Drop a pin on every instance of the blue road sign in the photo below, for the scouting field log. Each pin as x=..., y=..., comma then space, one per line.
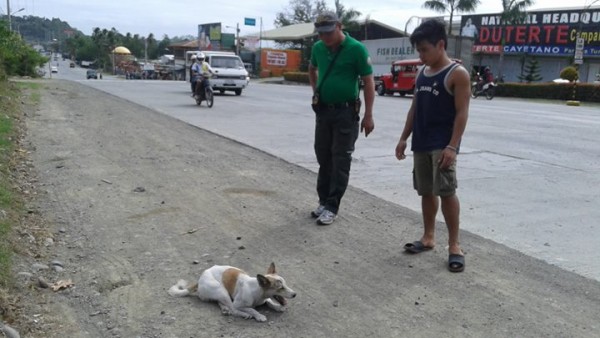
x=249, y=21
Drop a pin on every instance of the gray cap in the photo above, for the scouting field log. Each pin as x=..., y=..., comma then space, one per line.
x=326, y=22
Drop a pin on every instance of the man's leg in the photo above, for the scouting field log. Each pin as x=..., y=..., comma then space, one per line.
x=194, y=87
x=451, y=212
x=323, y=139
x=424, y=164
x=345, y=133
x=429, y=208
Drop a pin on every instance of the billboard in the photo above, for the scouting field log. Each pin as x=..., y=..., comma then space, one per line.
x=551, y=33
x=209, y=36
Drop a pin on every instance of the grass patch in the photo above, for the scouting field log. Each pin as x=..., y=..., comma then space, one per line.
x=5, y=251
x=34, y=90
x=11, y=111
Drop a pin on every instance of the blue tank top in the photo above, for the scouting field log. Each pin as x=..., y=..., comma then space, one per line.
x=434, y=112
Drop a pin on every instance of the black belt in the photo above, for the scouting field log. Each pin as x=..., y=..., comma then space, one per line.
x=332, y=106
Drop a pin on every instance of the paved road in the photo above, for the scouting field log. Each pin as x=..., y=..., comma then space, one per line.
x=528, y=170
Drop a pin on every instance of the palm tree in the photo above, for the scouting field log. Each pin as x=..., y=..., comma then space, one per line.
x=348, y=17
x=513, y=12
x=452, y=6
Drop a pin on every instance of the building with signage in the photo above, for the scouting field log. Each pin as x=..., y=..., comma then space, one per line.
x=548, y=36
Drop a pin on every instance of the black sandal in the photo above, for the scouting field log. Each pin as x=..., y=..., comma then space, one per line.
x=456, y=263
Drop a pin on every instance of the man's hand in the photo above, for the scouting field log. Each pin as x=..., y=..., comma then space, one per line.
x=367, y=124
x=447, y=158
x=400, y=148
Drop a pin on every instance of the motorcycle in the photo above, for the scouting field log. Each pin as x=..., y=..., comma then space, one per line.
x=487, y=89
x=204, y=95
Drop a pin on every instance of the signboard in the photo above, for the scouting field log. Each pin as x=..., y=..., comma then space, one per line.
x=209, y=36
x=249, y=21
x=579, y=45
x=384, y=51
x=552, y=33
x=276, y=58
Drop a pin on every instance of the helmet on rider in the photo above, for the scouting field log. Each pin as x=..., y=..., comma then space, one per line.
x=193, y=57
x=200, y=56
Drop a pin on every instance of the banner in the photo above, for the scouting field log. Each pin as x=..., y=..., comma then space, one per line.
x=276, y=58
x=209, y=36
x=552, y=33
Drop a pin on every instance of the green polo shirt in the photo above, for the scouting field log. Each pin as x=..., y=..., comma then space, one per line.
x=341, y=85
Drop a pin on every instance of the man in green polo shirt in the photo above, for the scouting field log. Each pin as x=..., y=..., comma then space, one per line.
x=337, y=62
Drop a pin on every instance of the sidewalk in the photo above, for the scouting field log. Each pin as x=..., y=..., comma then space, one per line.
x=248, y=208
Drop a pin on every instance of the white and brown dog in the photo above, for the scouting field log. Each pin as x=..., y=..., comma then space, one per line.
x=236, y=292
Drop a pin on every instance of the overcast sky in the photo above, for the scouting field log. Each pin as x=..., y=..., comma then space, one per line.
x=181, y=17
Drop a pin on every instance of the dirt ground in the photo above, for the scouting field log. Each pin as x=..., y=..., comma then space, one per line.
x=128, y=201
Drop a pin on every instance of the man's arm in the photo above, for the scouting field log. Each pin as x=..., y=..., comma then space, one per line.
x=460, y=81
x=408, y=126
x=367, y=123
x=462, y=97
x=312, y=76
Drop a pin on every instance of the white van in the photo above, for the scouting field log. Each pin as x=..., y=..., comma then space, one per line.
x=230, y=73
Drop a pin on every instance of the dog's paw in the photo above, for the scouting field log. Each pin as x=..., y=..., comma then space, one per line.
x=260, y=318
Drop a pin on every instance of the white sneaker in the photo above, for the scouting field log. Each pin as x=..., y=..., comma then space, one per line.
x=327, y=217
x=318, y=211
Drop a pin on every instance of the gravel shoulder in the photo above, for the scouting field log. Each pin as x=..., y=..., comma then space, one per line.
x=135, y=200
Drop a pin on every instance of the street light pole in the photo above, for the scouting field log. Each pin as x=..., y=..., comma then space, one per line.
x=9, y=14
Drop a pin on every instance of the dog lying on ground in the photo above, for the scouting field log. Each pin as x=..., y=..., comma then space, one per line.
x=236, y=292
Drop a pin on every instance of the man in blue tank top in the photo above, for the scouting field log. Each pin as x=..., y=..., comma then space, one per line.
x=436, y=119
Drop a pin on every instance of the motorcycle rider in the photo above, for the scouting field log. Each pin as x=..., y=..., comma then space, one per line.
x=202, y=71
x=486, y=78
x=192, y=81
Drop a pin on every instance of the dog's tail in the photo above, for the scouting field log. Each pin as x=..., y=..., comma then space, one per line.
x=182, y=289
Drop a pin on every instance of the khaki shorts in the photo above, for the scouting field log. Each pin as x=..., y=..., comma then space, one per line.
x=429, y=179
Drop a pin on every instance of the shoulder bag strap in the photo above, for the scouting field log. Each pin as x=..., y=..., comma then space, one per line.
x=329, y=69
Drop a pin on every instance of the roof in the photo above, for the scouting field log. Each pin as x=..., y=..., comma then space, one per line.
x=121, y=50
x=305, y=30
x=292, y=32
x=185, y=44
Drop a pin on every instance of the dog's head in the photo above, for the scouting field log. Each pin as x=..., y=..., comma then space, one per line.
x=274, y=286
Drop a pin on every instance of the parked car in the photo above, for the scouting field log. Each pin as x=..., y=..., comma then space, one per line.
x=54, y=69
x=72, y=65
x=401, y=78
x=91, y=74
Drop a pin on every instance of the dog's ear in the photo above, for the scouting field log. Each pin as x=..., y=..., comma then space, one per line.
x=271, y=270
x=263, y=281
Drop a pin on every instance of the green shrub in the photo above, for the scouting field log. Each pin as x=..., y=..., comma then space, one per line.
x=551, y=91
x=569, y=73
x=16, y=57
x=301, y=77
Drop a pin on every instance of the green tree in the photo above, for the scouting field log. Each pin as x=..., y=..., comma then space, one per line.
x=451, y=7
x=348, y=16
x=531, y=71
x=162, y=47
x=81, y=47
x=16, y=56
x=300, y=11
x=513, y=12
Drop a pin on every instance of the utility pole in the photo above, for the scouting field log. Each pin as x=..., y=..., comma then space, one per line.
x=237, y=45
x=8, y=13
x=579, y=51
